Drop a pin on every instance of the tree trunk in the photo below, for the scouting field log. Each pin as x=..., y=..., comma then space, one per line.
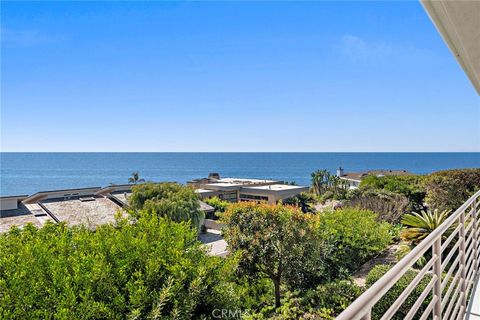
x=276, y=283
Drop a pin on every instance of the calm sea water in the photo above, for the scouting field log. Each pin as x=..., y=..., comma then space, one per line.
x=26, y=173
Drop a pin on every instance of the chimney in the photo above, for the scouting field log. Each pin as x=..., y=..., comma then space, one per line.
x=340, y=172
x=214, y=175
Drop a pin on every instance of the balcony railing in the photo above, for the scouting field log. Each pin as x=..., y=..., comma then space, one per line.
x=454, y=248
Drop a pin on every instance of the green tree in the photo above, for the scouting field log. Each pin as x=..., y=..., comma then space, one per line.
x=325, y=182
x=135, y=178
x=177, y=202
x=320, y=181
x=274, y=241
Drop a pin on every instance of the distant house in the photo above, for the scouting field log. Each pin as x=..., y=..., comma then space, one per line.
x=354, y=178
x=240, y=189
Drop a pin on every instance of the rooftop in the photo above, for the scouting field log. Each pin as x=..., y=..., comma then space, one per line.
x=276, y=187
x=17, y=217
x=241, y=181
x=91, y=212
x=121, y=196
x=204, y=191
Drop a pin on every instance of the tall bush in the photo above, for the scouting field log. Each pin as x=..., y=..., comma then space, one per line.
x=354, y=236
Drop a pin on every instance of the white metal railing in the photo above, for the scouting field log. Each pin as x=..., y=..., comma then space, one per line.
x=457, y=238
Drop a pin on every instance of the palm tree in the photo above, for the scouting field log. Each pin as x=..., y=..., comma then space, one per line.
x=135, y=178
x=320, y=181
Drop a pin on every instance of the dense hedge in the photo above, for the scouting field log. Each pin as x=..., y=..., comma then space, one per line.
x=155, y=268
x=382, y=306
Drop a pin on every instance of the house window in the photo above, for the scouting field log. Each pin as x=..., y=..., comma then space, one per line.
x=248, y=197
x=229, y=196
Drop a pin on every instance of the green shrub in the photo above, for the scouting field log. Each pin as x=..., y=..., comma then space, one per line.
x=389, y=206
x=354, y=236
x=323, y=302
x=168, y=199
x=336, y=296
x=154, y=268
x=382, y=306
x=219, y=204
x=409, y=186
x=327, y=195
x=449, y=189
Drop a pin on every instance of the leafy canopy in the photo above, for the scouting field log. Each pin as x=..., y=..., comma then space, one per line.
x=273, y=241
x=172, y=200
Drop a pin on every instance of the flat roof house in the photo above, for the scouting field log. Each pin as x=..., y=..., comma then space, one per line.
x=240, y=189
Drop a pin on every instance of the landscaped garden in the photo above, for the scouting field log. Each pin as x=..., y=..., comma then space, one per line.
x=299, y=259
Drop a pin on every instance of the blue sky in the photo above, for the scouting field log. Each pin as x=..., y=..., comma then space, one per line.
x=231, y=76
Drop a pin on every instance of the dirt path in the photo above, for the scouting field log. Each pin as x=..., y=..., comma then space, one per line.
x=386, y=257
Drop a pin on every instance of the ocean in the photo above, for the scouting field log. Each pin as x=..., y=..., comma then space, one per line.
x=27, y=173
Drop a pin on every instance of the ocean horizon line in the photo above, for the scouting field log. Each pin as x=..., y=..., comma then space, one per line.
x=338, y=152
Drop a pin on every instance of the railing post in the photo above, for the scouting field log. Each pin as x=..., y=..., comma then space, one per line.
x=463, y=271
x=367, y=316
x=476, y=239
x=437, y=271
